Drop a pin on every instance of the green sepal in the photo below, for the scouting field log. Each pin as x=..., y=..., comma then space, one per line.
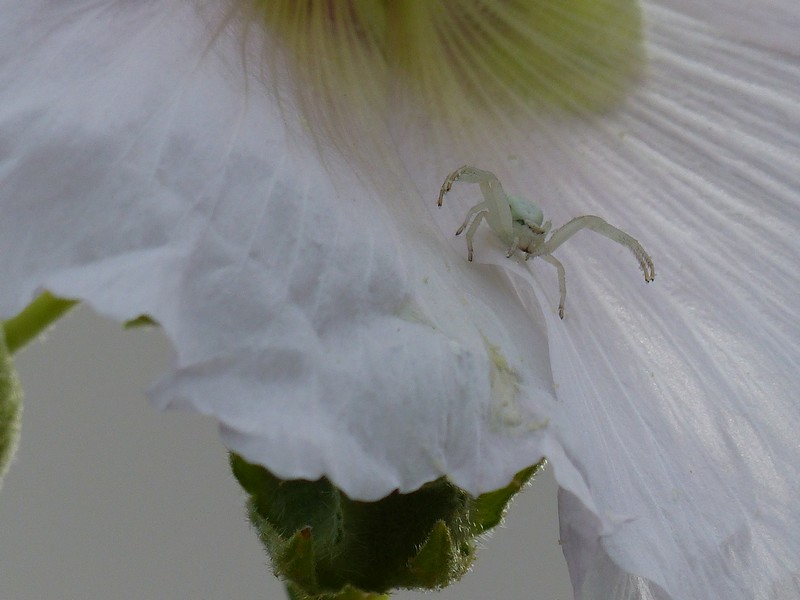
x=327, y=546
x=434, y=563
x=490, y=507
x=297, y=560
x=34, y=319
x=10, y=407
x=140, y=321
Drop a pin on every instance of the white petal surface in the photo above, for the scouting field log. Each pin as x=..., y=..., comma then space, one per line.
x=676, y=428
x=680, y=400
x=772, y=24
x=330, y=329
x=138, y=175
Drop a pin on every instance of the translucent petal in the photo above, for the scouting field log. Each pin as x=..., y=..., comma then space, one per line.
x=771, y=24
x=683, y=395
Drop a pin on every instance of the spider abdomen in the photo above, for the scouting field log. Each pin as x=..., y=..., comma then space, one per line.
x=525, y=211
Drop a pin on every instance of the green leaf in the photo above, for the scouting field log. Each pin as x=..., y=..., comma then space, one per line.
x=10, y=408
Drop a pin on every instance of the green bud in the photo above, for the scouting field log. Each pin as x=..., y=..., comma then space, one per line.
x=326, y=546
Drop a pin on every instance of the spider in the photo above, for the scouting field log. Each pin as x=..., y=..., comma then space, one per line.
x=519, y=223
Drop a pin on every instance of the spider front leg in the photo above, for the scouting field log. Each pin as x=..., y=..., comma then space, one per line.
x=469, y=175
x=476, y=214
x=562, y=282
x=495, y=208
x=598, y=225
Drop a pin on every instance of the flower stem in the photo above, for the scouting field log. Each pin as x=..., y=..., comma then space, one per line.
x=349, y=593
x=34, y=319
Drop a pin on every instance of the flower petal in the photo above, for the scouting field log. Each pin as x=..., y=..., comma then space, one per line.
x=772, y=24
x=145, y=180
x=327, y=325
x=679, y=400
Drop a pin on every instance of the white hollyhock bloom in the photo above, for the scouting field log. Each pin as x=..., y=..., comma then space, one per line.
x=156, y=160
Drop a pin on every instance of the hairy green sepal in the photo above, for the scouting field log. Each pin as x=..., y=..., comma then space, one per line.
x=34, y=319
x=10, y=407
x=327, y=546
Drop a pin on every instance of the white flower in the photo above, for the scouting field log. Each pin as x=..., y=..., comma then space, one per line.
x=157, y=160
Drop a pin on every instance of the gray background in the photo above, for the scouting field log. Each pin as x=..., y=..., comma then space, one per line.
x=111, y=500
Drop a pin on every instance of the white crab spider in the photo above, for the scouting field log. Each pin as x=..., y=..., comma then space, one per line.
x=519, y=223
